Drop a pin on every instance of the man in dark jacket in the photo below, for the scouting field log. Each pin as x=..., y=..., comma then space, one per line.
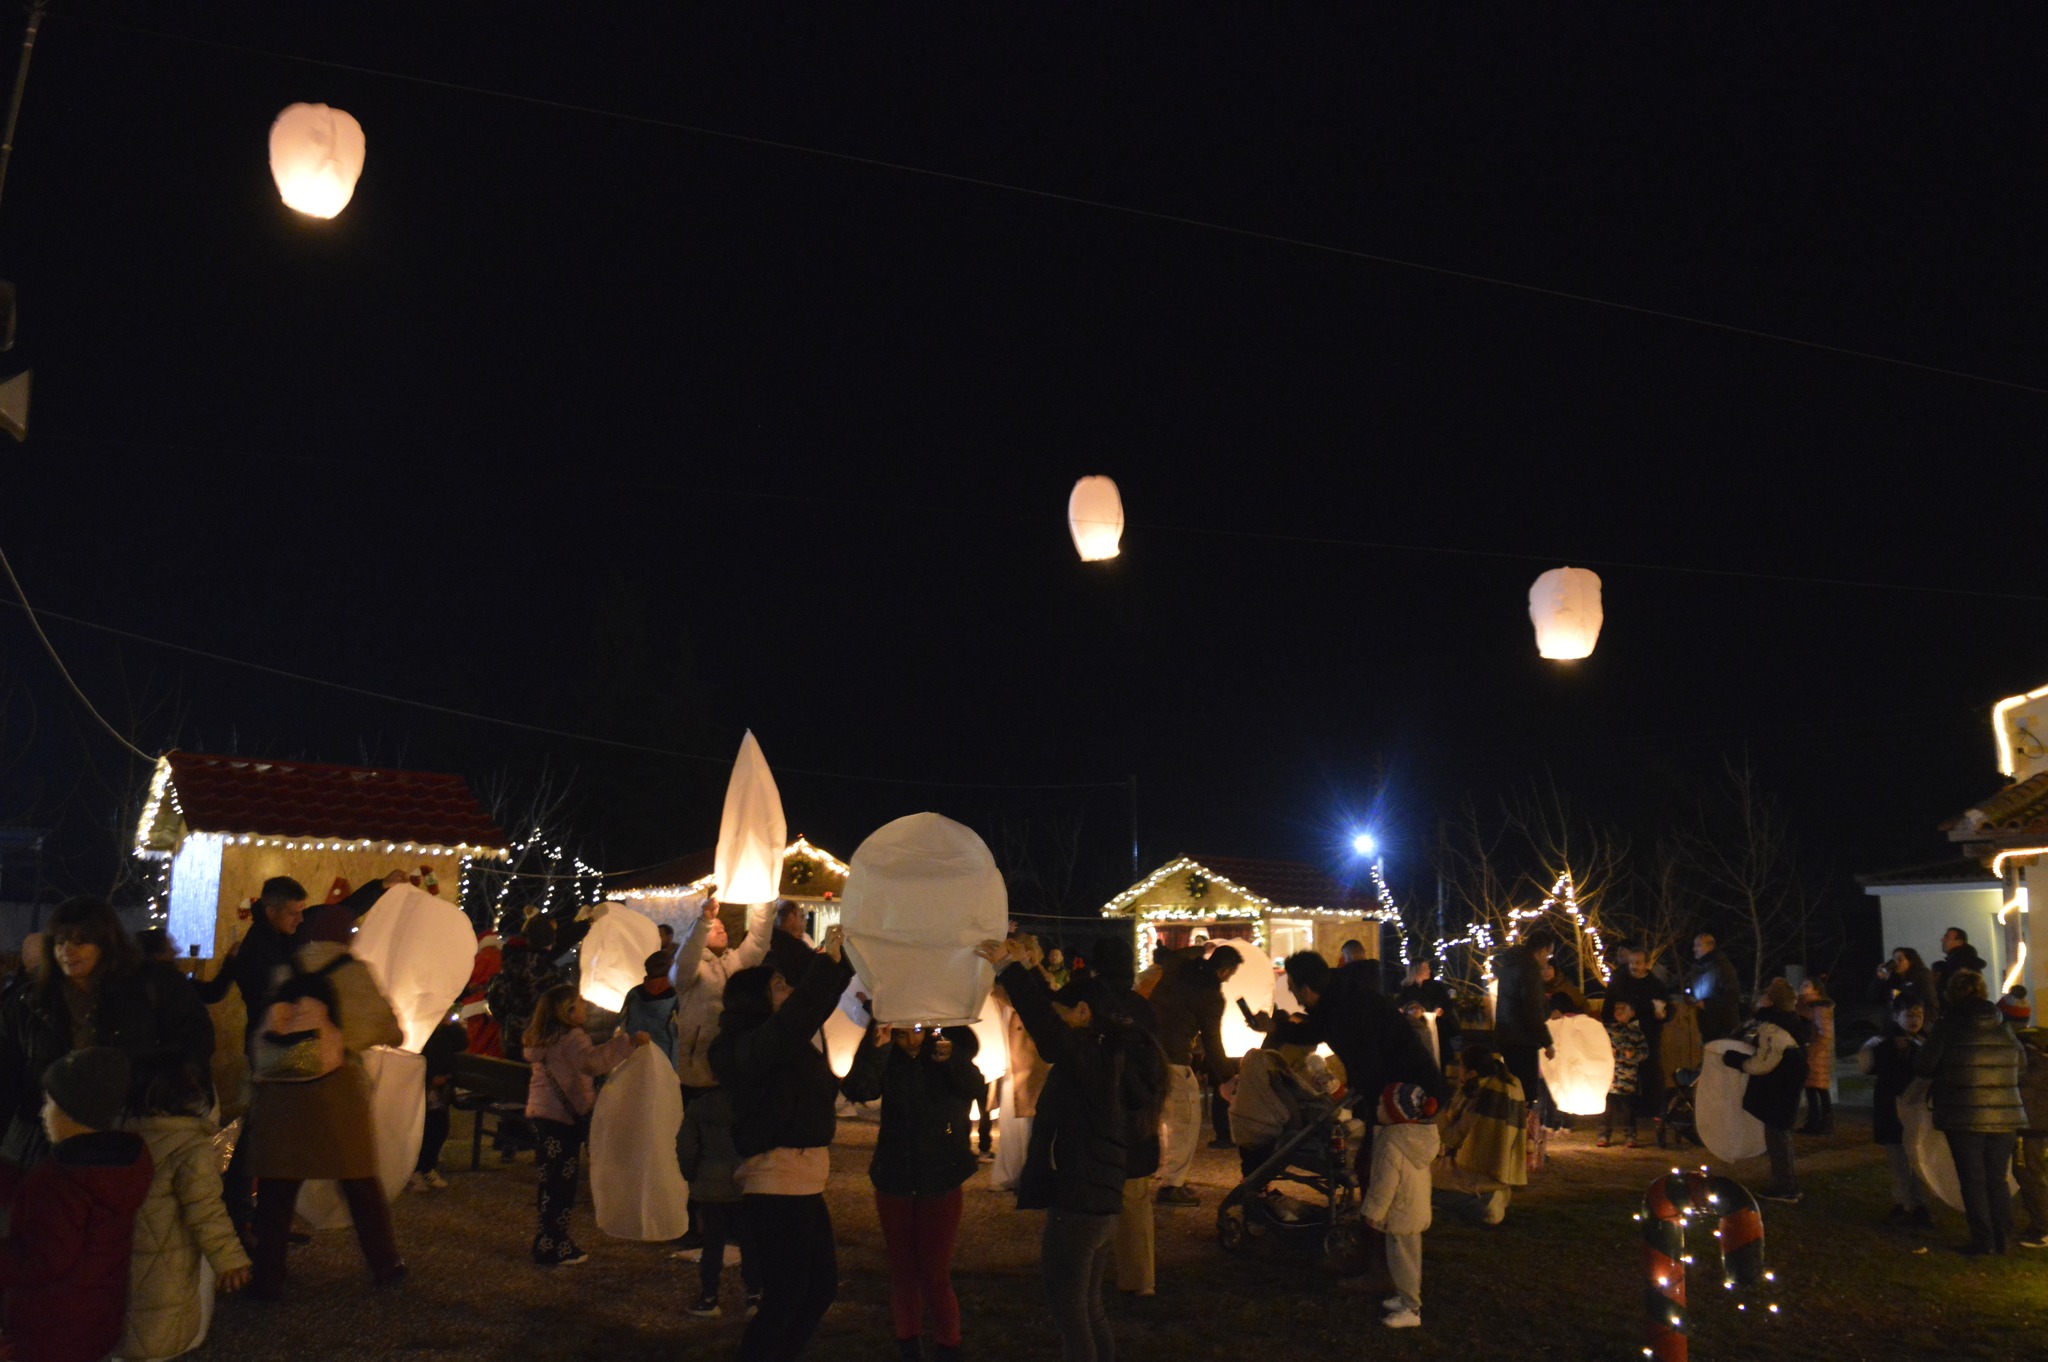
x=1715, y=990
x=1521, y=1013
x=1956, y=954
x=1188, y=1006
x=1136, y=1257
x=1371, y=1039
x=263, y=956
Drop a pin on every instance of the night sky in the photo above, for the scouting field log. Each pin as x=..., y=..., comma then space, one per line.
x=603, y=425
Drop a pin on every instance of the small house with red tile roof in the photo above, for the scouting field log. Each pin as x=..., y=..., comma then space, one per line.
x=227, y=824
x=1279, y=906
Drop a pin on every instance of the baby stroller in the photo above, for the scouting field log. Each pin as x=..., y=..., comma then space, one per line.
x=1313, y=1159
x=1677, y=1124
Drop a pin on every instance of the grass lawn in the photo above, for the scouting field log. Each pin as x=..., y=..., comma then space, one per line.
x=1562, y=1278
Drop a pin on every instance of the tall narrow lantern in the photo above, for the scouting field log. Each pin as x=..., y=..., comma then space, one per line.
x=1565, y=605
x=1095, y=516
x=316, y=154
x=752, y=834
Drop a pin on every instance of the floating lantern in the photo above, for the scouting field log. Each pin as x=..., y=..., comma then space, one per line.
x=752, y=834
x=1095, y=516
x=1583, y=1071
x=316, y=154
x=1565, y=605
x=921, y=893
x=420, y=949
x=614, y=955
x=1252, y=982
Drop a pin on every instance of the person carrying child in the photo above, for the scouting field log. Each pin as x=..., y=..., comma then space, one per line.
x=1631, y=1053
x=64, y=1262
x=183, y=1229
x=1396, y=1201
x=711, y=1163
x=560, y=1095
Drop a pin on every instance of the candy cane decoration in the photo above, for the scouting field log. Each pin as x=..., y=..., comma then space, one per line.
x=1668, y=1209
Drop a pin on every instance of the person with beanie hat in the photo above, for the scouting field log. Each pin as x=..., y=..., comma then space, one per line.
x=1396, y=1199
x=64, y=1262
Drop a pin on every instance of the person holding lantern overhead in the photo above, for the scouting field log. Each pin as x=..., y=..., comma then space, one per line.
x=704, y=963
x=784, y=1096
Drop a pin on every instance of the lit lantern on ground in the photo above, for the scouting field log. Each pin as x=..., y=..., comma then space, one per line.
x=921, y=894
x=752, y=834
x=420, y=950
x=1565, y=607
x=1583, y=1071
x=1253, y=982
x=1095, y=517
x=614, y=955
x=316, y=154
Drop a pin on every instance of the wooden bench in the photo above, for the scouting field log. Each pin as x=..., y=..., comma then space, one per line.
x=489, y=1087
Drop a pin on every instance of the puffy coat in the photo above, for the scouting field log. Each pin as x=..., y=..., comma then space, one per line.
x=183, y=1220
x=1975, y=1062
x=923, y=1147
x=1777, y=1071
x=1397, y=1197
x=706, y=1151
x=700, y=991
x=1490, y=1131
x=156, y=1008
x=1520, y=1013
x=1077, y=1160
x=1820, y=1051
x=64, y=1262
x=783, y=1090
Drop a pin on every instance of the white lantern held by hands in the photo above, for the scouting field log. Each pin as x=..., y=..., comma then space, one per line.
x=316, y=156
x=420, y=949
x=1095, y=517
x=1583, y=1071
x=614, y=956
x=921, y=894
x=752, y=833
x=1253, y=985
x=1564, y=604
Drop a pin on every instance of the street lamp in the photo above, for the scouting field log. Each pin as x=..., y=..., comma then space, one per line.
x=1366, y=845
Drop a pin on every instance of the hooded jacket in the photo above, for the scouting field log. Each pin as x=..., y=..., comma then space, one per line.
x=1975, y=1062
x=700, y=990
x=1397, y=1197
x=1777, y=1071
x=784, y=1094
x=182, y=1221
x=1078, y=1159
x=64, y=1262
x=923, y=1147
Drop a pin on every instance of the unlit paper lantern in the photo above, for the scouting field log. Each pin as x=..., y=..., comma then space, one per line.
x=1729, y=1133
x=316, y=154
x=1095, y=516
x=1253, y=982
x=1583, y=1071
x=1565, y=606
x=420, y=949
x=614, y=956
x=921, y=894
x=752, y=834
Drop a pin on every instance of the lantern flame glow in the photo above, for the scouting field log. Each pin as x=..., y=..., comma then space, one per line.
x=1095, y=517
x=1564, y=605
x=316, y=156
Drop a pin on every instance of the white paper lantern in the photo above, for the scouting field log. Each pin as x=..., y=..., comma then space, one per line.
x=1565, y=606
x=1095, y=517
x=614, y=956
x=1253, y=982
x=639, y=1109
x=752, y=834
x=398, y=1122
x=420, y=949
x=993, y=1058
x=316, y=155
x=1728, y=1132
x=921, y=894
x=1928, y=1148
x=1584, y=1068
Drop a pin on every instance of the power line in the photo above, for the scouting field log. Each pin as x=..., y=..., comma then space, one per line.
x=62, y=670
x=1079, y=201
x=541, y=729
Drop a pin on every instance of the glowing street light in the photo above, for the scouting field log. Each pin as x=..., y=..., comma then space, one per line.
x=1365, y=844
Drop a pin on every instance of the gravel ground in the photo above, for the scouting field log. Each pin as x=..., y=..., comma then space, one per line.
x=1559, y=1279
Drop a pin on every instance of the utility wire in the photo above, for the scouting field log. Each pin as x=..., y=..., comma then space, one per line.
x=1078, y=201
x=62, y=670
x=542, y=729
x=985, y=515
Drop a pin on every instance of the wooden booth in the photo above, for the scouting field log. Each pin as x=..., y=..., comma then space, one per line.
x=811, y=876
x=1279, y=906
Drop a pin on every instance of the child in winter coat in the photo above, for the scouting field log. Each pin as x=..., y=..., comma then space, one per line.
x=1888, y=1060
x=1631, y=1052
x=64, y=1262
x=1817, y=1010
x=650, y=1006
x=559, y=1099
x=185, y=1249
x=1777, y=1073
x=710, y=1160
x=1396, y=1200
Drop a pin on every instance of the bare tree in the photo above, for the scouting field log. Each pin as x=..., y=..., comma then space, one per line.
x=1741, y=859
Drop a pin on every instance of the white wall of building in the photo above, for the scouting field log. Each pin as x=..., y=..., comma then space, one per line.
x=1917, y=914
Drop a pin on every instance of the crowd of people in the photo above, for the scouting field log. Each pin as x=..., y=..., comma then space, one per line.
x=106, y=1083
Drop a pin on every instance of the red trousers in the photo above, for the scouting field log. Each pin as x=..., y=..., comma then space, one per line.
x=919, y=1233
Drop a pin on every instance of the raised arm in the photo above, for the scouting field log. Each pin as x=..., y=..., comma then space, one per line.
x=692, y=954
x=753, y=948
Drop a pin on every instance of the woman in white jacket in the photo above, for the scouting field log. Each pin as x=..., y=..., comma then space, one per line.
x=702, y=966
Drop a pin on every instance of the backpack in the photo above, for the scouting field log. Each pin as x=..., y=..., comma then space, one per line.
x=300, y=1040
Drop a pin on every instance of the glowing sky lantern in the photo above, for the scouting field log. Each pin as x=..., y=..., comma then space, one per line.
x=1095, y=516
x=420, y=950
x=1252, y=982
x=316, y=154
x=1584, y=1068
x=921, y=893
x=614, y=955
x=1565, y=606
x=752, y=833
